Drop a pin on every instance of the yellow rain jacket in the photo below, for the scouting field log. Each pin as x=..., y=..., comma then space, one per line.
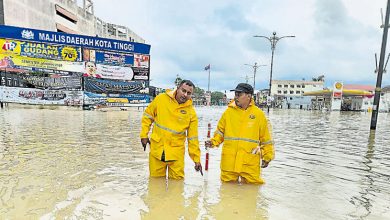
x=242, y=131
x=173, y=123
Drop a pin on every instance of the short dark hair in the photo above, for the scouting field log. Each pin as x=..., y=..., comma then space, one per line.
x=186, y=81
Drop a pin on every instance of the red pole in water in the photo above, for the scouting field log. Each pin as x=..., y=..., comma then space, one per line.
x=207, y=149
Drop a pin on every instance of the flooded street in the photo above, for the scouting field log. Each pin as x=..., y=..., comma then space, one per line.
x=72, y=164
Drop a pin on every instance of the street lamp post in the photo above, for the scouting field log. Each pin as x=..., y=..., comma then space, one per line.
x=273, y=40
x=254, y=74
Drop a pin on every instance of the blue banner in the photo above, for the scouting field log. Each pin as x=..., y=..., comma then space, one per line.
x=72, y=39
x=116, y=59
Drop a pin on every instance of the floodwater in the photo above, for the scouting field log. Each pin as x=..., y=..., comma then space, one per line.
x=72, y=164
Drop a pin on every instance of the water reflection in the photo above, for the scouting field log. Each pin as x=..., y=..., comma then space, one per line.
x=58, y=164
x=239, y=202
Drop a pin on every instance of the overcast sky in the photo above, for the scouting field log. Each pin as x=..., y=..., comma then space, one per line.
x=335, y=38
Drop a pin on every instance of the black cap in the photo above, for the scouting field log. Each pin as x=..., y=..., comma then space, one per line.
x=243, y=87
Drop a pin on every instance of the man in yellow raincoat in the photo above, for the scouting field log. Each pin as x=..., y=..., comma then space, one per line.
x=245, y=132
x=174, y=120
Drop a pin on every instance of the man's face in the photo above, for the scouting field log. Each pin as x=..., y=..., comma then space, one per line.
x=241, y=98
x=183, y=93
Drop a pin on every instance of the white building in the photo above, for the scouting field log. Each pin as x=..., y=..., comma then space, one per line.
x=294, y=87
x=62, y=16
x=285, y=93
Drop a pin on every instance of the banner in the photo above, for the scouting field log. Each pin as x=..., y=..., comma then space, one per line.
x=123, y=100
x=64, y=83
x=37, y=64
x=114, y=72
x=113, y=59
x=140, y=73
x=40, y=50
x=18, y=33
x=42, y=97
x=100, y=86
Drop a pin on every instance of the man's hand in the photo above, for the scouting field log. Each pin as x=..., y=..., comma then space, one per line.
x=198, y=167
x=144, y=142
x=208, y=144
x=264, y=164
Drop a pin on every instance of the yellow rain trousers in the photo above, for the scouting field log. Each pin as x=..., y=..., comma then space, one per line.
x=242, y=131
x=172, y=124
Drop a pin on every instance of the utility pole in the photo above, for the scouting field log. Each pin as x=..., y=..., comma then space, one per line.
x=375, y=109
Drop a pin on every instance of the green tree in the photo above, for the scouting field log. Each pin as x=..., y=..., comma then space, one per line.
x=216, y=97
x=198, y=92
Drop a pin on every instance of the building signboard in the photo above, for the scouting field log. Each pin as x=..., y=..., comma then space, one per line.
x=98, y=43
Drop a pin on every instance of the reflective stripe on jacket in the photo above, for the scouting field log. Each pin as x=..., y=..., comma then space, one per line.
x=242, y=131
x=173, y=123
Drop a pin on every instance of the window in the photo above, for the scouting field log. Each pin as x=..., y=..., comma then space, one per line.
x=284, y=92
x=279, y=86
x=279, y=92
x=285, y=86
x=291, y=92
x=291, y=86
x=298, y=86
x=303, y=86
x=298, y=92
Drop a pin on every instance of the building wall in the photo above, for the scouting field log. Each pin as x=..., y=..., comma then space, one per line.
x=1, y=12
x=294, y=87
x=43, y=14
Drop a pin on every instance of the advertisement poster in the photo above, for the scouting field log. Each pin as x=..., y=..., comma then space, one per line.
x=114, y=59
x=141, y=60
x=123, y=100
x=37, y=64
x=140, y=73
x=52, y=83
x=114, y=72
x=40, y=50
x=42, y=97
x=100, y=86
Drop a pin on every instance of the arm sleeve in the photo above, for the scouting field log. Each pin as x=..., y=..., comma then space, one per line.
x=148, y=118
x=220, y=131
x=266, y=142
x=192, y=138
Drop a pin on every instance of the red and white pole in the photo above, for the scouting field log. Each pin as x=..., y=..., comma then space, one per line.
x=207, y=149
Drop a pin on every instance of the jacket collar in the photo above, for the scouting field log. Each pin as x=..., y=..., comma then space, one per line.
x=233, y=104
x=172, y=94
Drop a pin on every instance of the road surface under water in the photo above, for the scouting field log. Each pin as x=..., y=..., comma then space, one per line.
x=72, y=164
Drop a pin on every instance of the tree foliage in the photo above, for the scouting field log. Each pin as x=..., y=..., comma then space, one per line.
x=216, y=96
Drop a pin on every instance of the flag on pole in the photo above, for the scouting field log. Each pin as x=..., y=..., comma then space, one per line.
x=207, y=67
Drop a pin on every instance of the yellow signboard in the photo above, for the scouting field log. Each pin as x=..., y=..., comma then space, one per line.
x=40, y=50
x=117, y=100
x=29, y=63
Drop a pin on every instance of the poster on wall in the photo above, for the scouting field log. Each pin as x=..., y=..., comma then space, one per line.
x=100, y=86
x=42, y=97
x=141, y=60
x=52, y=83
x=38, y=64
x=107, y=72
x=108, y=58
x=40, y=50
x=125, y=99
